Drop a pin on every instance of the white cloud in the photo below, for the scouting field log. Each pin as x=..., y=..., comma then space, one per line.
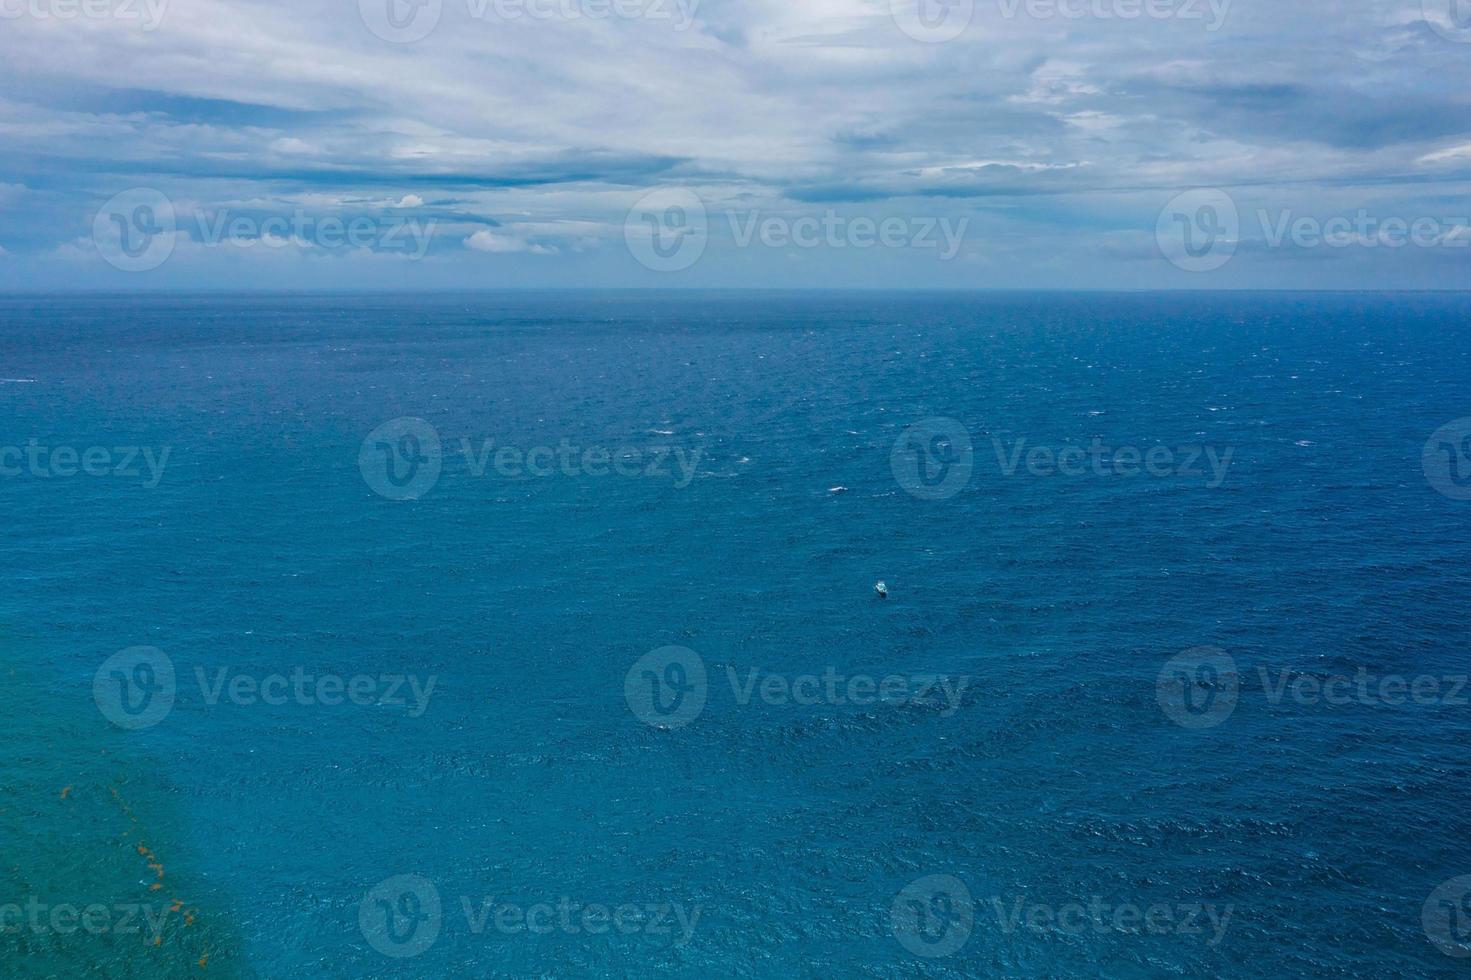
x=1448, y=155
x=487, y=241
x=762, y=105
x=293, y=146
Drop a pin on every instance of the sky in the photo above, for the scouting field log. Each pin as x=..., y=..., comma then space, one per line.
x=466, y=144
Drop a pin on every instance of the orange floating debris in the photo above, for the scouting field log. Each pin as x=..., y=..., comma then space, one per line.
x=66, y=791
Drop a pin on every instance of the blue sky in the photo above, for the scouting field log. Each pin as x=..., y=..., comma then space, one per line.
x=708, y=143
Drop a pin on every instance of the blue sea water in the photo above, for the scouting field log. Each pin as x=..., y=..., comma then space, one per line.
x=1059, y=778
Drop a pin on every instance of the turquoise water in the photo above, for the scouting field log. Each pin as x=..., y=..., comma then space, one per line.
x=781, y=832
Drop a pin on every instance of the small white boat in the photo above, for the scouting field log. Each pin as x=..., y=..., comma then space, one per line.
x=882, y=590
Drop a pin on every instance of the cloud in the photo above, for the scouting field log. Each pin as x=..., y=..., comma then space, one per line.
x=294, y=146
x=1451, y=154
x=488, y=241
x=1071, y=132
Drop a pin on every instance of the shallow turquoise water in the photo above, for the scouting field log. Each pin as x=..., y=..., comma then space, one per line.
x=790, y=828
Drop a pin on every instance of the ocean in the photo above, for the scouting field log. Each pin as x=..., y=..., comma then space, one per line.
x=536, y=635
